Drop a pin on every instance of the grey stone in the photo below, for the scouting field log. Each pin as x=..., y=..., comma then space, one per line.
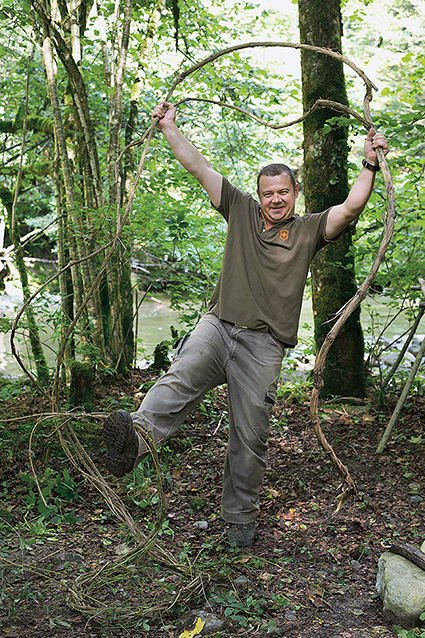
x=401, y=586
x=390, y=359
x=241, y=580
x=415, y=344
x=202, y=525
x=213, y=622
x=397, y=342
x=290, y=615
x=416, y=498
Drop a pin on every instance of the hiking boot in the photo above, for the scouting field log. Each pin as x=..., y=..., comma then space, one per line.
x=121, y=441
x=241, y=535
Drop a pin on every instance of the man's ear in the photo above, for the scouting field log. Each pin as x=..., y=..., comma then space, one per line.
x=297, y=190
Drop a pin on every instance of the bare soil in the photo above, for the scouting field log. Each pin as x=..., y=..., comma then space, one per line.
x=311, y=572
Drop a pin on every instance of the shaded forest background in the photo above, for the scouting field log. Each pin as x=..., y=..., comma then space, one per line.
x=79, y=83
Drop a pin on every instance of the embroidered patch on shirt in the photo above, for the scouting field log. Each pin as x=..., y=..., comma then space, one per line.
x=284, y=234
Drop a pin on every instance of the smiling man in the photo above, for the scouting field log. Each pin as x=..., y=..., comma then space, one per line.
x=252, y=317
x=277, y=192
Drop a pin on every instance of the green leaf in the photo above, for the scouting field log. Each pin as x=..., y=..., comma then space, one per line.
x=407, y=57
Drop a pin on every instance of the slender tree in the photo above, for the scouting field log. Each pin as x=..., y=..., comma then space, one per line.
x=42, y=370
x=325, y=185
x=61, y=40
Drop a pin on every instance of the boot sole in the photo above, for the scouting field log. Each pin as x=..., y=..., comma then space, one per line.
x=120, y=439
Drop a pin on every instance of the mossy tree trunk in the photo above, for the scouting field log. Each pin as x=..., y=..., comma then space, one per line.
x=84, y=199
x=129, y=171
x=42, y=369
x=325, y=185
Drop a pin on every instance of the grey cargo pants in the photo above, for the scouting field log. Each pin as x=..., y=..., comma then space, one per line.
x=249, y=361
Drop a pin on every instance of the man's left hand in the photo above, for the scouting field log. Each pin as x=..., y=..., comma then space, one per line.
x=373, y=141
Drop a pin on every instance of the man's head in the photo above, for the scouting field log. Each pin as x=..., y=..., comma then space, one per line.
x=277, y=191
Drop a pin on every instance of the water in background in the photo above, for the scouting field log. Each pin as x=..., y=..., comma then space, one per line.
x=155, y=319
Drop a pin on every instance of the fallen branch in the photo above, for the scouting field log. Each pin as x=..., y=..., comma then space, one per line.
x=400, y=403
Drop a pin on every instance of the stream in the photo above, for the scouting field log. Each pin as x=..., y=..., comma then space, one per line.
x=156, y=316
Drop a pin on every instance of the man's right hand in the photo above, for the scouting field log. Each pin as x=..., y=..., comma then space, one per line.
x=186, y=153
x=166, y=113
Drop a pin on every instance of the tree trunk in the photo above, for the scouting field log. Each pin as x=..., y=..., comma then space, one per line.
x=128, y=173
x=325, y=185
x=80, y=229
x=42, y=369
x=120, y=265
x=65, y=278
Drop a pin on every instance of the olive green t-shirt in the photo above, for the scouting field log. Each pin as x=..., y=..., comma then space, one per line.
x=264, y=272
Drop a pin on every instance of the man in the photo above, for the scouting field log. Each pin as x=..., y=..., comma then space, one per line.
x=253, y=316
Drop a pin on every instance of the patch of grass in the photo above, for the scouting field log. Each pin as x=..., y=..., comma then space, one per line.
x=241, y=611
x=410, y=633
x=295, y=392
x=56, y=490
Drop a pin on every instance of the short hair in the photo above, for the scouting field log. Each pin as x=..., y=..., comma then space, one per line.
x=271, y=170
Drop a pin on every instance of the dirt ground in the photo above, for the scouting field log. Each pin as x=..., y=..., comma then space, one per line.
x=311, y=572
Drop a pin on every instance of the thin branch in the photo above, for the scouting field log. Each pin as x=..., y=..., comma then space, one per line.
x=389, y=222
x=400, y=403
x=252, y=45
x=317, y=105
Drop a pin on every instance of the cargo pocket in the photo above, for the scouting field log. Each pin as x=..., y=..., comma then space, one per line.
x=262, y=422
x=269, y=399
x=179, y=345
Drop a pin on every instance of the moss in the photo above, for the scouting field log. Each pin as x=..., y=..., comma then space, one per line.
x=81, y=388
x=160, y=354
x=333, y=285
x=6, y=197
x=127, y=313
x=326, y=185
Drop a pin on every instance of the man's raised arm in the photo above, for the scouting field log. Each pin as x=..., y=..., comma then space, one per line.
x=340, y=216
x=188, y=156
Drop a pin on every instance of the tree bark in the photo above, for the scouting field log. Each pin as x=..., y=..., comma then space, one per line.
x=128, y=174
x=41, y=366
x=325, y=185
x=119, y=267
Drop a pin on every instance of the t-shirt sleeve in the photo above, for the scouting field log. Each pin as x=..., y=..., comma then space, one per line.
x=320, y=220
x=315, y=228
x=231, y=198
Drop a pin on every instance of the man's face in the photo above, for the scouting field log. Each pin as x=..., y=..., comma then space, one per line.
x=277, y=197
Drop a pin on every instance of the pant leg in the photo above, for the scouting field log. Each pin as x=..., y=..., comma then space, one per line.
x=198, y=366
x=253, y=371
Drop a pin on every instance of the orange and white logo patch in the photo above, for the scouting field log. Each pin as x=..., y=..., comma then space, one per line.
x=284, y=234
